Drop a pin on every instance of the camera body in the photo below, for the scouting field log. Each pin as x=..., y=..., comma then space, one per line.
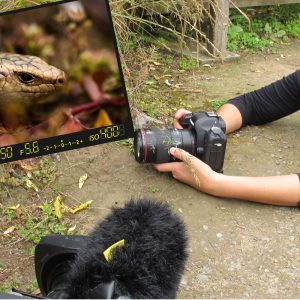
x=203, y=135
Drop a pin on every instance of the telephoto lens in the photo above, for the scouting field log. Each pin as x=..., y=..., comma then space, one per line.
x=153, y=145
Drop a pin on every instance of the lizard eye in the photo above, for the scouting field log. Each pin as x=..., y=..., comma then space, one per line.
x=25, y=77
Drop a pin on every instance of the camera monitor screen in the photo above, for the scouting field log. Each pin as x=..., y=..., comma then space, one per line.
x=61, y=82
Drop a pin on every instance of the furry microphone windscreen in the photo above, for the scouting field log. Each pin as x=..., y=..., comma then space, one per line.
x=149, y=264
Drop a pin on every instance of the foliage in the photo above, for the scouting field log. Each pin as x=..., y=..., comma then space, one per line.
x=269, y=27
x=188, y=64
x=33, y=286
x=33, y=224
x=217, y=103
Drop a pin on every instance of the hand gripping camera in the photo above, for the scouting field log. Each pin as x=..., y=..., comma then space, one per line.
x=203, y=135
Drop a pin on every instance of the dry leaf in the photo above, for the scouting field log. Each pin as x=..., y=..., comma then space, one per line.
x=71, y=229
x=207, y=66
x=30, y=185
x=167, y=82
x=9, y=230
x=156, y=63
x=26, y=165
x=57, y=207
x=81, y=207
x=71, y=125
x=14, y=207
x=82, y=180
x=103, y=119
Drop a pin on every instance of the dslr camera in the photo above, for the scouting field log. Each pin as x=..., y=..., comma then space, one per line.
x=203, y=135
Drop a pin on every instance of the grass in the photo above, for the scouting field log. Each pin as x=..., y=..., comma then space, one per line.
x=16, y=4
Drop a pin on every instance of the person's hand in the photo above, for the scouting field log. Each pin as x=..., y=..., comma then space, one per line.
x=181, y=113
x=191, y=171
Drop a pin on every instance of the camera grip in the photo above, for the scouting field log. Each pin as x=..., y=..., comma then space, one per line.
x=214, y=149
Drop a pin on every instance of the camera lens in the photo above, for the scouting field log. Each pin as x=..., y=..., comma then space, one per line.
x=152, y=145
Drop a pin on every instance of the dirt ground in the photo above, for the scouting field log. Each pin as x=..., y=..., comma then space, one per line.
x=236, y=249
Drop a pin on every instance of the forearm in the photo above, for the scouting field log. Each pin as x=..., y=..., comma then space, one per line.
x=276, y=190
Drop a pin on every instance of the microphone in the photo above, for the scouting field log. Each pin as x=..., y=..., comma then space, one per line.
x=138, y=251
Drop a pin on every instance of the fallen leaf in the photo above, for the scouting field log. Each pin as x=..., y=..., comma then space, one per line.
x=207, y=66
x=30, y=185
x=9, y=230
x=103, y=119
x=167, y=82
x=14, y=207
x=81, y=207
x=58, y=207
x=82, y=180
x=27, y=164
x=71, y=229
x=71, y=125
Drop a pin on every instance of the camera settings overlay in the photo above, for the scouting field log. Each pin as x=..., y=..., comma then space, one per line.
x=65, y=142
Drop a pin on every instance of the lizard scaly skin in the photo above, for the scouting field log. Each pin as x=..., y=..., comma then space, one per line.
x=25, y=80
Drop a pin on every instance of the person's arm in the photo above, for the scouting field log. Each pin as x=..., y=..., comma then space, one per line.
x=265, y=105
x=275, y=190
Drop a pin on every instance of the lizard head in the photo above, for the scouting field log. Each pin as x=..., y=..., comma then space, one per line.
x=28, y=79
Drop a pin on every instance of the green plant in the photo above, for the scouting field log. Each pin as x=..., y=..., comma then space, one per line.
x=128, y=143
x=188, y=64
x=270, y=26
x=215, y=104
x=46, y=171
x=32, y=226
x=153, y=189
x=33, y=286
x=10, y=214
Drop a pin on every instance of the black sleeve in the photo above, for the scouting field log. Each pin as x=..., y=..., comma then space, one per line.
x=271, y=102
